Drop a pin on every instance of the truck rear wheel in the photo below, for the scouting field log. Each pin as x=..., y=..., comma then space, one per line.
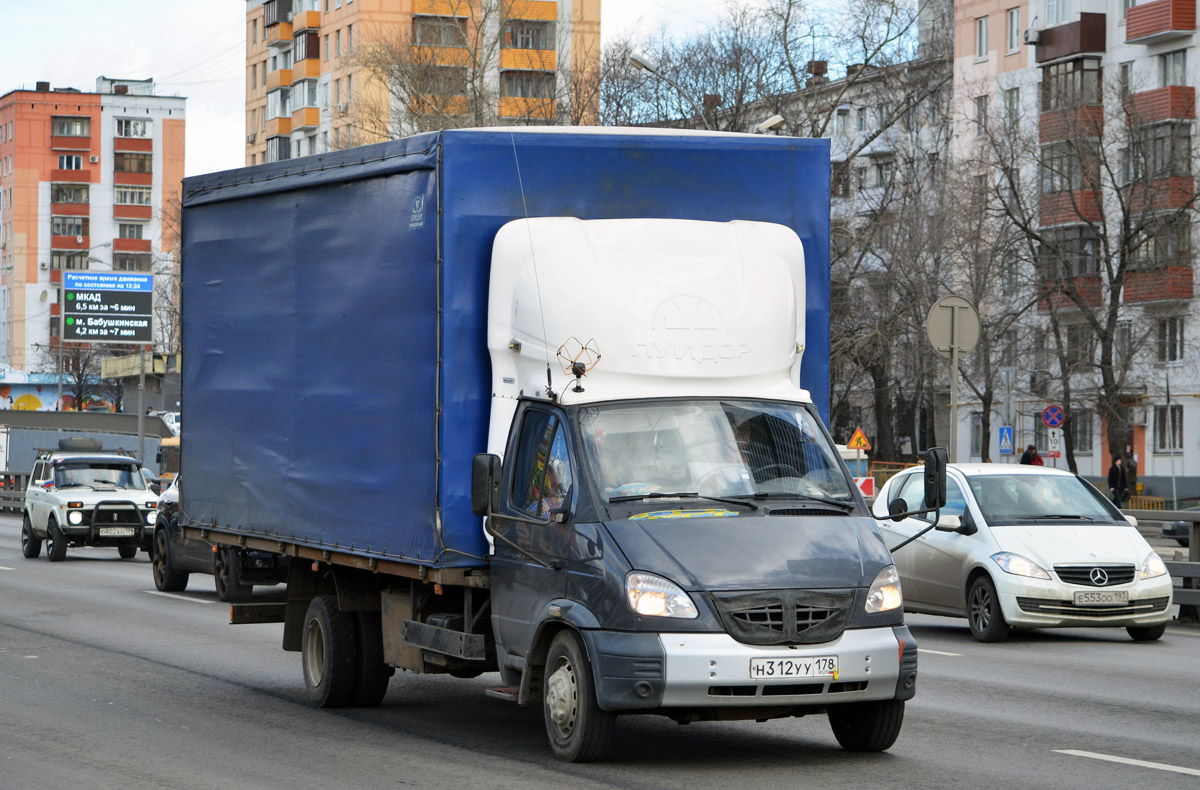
x=867, y=726
x=56, y=542
x=329, y=653
x=31, y=544
x=227, y=577
x=372, y=674
x=579, y=730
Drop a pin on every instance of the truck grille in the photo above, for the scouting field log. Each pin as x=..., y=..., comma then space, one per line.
x=785, y=617
x=1087, y=575
x=1068, y=608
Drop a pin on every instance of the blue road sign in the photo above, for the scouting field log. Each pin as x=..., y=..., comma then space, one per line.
x=1006, y=440
x=1053, y=416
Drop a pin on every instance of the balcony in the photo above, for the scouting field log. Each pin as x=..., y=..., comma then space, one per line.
x=134, y=144
x=1057, y=292
x=307, y=69
x=279, y=79
x=278, y=126
x=279, y=35
x=440, y=56
x=131, y=245
x=1161, y=20
x=1071, y=124
x=70, y=242
x=1068, y=208
x=522, y=107
x=1158, y=285
x=127, y=211
x=62, y=143
x=1076, y=38
x=133, y=179
x=1169, y=193
x=306, y=118
x=83, y=176
x=431, y=104
x=539, y=10
x=528, y=59
x=306, y=20
x=1172, y=103
x=70, y=209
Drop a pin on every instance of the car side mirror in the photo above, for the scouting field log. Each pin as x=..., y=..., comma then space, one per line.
x=949, y=523
x=935, y=477
x=485, y=484
x=898, y=508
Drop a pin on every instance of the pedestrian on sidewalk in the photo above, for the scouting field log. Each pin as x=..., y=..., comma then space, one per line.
x=1118, y=486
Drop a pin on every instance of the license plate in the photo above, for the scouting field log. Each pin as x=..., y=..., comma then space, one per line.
x=1102, y=598
x=116, y=532
x=809, y=667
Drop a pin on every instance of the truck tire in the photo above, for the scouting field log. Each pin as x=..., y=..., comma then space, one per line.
x=56, y=542
x=31, y=544
x=579, y=730
x=372, y=674
x=983, y=612
x=127, y=551
x=329, y=653
x=227, y=576
x=867, y=726
x=166, y=578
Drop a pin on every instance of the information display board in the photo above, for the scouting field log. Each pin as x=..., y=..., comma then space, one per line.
x=107, y=307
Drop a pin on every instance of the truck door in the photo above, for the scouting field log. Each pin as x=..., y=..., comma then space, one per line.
x=538, y=484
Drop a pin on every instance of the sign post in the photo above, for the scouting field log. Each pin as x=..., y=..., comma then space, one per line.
x=1053, y=417
x=858, y=442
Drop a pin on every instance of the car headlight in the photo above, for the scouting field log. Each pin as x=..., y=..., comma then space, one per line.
x=1019, y=566
x=1152, y=566
x=75, y=517
x=150, y=517
x=885, y=594
x=655, y=596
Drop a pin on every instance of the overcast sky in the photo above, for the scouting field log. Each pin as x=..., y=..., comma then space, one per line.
x=196, y=48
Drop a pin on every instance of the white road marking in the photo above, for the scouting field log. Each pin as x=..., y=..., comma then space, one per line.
x=6, y=568
x=1127, y=761
x=177, y=597
x=936, y=652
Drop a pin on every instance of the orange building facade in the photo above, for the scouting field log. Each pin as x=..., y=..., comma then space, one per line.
x=88, y=180
x=306, y=92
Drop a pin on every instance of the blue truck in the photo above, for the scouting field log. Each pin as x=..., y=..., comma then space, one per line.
x=545, y=403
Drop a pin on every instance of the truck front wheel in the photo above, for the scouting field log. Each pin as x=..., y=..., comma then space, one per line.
x=329, y=653
x=579, y=730
x=867, y=726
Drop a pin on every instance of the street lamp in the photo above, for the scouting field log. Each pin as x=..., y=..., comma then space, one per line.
x=640, y=62
x=774, y=122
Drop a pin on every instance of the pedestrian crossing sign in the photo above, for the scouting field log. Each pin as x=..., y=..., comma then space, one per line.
x=1006, y=440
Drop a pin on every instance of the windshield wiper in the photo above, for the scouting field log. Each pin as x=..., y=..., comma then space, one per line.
x=683, y=495
x=847, y=506
x=1063, y=516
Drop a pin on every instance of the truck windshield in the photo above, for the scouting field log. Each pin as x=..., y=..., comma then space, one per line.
x=717, y=448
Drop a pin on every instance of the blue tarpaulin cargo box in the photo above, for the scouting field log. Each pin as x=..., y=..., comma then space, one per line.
x=336, y=380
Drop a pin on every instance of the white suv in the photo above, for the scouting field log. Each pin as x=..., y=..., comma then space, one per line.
x=86, y=498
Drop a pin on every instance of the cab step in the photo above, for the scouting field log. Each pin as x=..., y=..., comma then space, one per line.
x=504, y=693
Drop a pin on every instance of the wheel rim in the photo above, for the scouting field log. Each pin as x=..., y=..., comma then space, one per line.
x=981, y=608
x=25, y=538
x=314, y=653
x=562, y=698
x=50, y=541
x=222, y=574
x=159, y=565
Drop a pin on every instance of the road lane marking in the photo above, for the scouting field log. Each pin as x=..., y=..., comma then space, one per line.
x=177, y=597
x=6, y=568
x=936, y=652
x=1127, y=761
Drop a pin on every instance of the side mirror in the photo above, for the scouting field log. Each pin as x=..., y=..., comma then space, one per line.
x=935, y=477
x=485, y=484
x=949, y=523
x=898, y=508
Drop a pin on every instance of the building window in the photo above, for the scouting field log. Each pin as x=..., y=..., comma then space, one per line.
x=1081, y=345
x=132, y=196
x=337, y=43
x=131, y=262
x=349, y=38
x=1172, y=68
x=70, y=162
x=279, y=103
x=279, y=149
x=1074, y=83
x=326, y=46
x=528, y=35
x=860, y=178
x=69, y=193
x=1125, y=78
x=349, y=87
x=976, y=435
x=72, y=127
x=1081, y=431
x=981, y=116
x=439, y=31
x=1058, y=12
x=306, y=47
x=1165, y=243
x=254, y=75
x=1069, y=253
x=1012, y=104
x=861, y=121
x=69, y=226
x=841, y=180
x=1123, y=347
x=254, y=31
x=1013, y=30
x=129, y=230
x=527, y=84
x=133, y=127
x=1168, y=428
x=64, y=259
x=1169, y=335
x=133, y=163
x=842, y=122
x=883, y=172
x=1125, y=6
x=981, y=38
x=1062, y=170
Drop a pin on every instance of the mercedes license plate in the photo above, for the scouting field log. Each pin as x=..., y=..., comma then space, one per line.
x=808, y=667
x=116, y=532
x=1102, y=598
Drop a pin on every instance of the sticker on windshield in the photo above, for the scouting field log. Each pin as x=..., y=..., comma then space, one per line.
x=706, y=513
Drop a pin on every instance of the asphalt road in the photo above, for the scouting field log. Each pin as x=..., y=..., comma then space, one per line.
x=105, y=683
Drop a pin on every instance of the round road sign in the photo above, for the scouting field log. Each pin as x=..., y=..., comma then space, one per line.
x=952, y=324
x=1053, y=416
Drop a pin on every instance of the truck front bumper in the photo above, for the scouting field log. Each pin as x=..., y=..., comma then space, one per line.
x=638, y=671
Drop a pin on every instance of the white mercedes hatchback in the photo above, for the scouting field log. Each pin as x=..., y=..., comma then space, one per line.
x=1024, y=547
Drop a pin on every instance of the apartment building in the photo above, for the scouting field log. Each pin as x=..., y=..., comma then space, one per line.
x=457, y=63
x=1100, y=98
x=88, y=180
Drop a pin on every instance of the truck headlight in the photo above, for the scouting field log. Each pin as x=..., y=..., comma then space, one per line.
x=1152, y=566
x=1019, y=566
x=655, y=596
x=885, y=595
x=75, y=517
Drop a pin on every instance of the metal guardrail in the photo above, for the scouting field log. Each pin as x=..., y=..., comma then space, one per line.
x=1187, y=595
